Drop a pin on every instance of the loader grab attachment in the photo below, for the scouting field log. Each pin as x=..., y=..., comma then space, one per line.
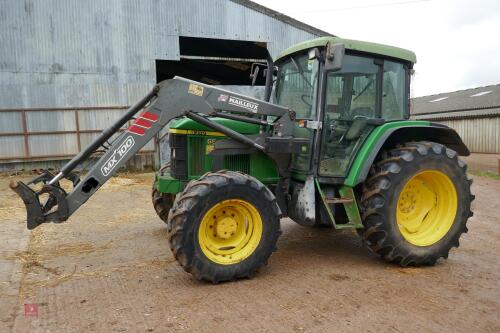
x=169, y=99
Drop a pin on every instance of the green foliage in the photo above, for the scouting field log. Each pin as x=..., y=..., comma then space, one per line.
x=487, y=174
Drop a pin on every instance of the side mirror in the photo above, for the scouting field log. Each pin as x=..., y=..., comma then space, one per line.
x=334, y=56
x=314, y=53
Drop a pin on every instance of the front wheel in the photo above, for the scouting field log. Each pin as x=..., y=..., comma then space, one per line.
x=416, y=204
x=224, y=226
x=162, y=202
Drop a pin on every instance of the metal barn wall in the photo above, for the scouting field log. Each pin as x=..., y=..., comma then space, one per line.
x=72, y=66
x=481, y=135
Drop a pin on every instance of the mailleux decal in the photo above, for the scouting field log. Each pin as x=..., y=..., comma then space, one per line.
x=254, y=107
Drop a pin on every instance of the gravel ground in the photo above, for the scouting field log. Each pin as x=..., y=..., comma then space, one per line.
x=110, y=269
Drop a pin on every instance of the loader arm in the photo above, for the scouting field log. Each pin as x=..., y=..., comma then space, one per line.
x=168, y=100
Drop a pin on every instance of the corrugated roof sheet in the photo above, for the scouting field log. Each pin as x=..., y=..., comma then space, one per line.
x=458, y=114
x=480, y=98
x=282, y=17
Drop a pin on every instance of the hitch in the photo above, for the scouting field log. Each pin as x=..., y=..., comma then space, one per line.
x=54, y=209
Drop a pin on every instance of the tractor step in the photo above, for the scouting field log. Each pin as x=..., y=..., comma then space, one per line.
x=348, y=200
x=338, y=200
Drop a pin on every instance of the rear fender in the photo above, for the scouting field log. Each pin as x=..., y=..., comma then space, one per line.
x=433, y=132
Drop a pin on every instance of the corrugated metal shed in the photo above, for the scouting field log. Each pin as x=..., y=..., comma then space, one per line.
x=473, y=113
x=72, y=66
x=481, y=135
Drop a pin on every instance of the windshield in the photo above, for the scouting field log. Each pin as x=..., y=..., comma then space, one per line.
x=297, y=83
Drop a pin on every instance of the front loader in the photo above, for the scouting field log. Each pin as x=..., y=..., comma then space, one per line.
x=334, y=148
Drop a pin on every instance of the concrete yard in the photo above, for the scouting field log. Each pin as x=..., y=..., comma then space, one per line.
x=109, y=268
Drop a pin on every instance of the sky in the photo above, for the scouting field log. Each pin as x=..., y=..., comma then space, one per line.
x=457, y=42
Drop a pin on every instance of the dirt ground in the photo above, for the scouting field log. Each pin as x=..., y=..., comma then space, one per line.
x=484, y=162
x=110, y=269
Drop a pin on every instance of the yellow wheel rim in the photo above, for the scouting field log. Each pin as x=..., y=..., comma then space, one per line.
x=230, y=231
x=426, y=208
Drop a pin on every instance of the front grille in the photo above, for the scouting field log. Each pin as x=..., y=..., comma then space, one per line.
x=237, y=163
x=189, y=157
x=197, y=147
x=178, y=156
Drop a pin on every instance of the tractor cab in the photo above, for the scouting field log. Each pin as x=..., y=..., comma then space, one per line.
x=349, y=87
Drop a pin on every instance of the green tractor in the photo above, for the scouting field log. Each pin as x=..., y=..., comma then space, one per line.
x=335, y=148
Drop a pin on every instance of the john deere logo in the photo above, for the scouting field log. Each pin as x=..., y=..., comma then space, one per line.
x=254, y=107
x=117, y=156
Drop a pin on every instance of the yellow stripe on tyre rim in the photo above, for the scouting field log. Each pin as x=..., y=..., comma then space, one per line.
x=230, y=231
x=426, y=208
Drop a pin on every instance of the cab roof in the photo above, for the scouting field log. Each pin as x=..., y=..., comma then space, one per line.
x=356, y=45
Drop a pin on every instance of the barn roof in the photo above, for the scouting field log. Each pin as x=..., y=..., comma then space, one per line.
x=475, y=102
x=282, y=17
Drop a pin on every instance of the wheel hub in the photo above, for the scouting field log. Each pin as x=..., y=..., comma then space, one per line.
x=226, y=227
x=407, y=200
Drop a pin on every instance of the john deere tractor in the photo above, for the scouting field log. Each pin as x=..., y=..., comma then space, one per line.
x=330, y=146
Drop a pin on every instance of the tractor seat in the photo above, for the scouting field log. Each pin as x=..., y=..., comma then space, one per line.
x=356, y=128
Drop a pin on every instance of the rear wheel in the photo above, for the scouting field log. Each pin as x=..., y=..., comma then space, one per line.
x=416, y=203
x=224, y=226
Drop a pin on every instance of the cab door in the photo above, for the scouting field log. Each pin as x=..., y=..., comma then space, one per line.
x=351, y=110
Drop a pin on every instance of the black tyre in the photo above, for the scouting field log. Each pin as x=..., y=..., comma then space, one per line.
x=224, y=226
x=416, y=203
x=162, y=203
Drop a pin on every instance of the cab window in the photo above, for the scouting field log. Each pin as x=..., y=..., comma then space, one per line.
x=352, y=91
x=394, y=91
x=296, y=85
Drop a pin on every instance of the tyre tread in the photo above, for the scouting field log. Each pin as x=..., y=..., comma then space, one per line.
x=377, y=188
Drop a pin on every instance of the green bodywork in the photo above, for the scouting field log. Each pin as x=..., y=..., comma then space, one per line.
x=238, y=126
x=200, y=141
x=260, y=166
x=353, y=177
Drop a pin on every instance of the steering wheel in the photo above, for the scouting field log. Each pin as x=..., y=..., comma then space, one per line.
x=337, y=129
x=304, y=97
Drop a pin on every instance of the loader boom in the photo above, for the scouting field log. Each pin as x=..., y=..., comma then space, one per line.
x=168, y=100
